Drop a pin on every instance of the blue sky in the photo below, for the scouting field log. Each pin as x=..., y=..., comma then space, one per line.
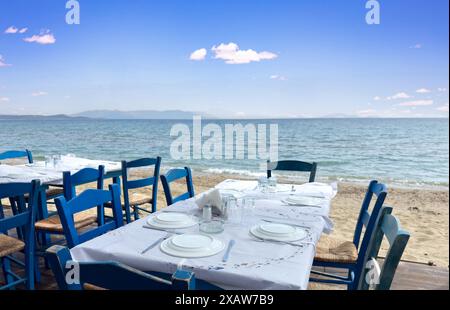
x=271, y=58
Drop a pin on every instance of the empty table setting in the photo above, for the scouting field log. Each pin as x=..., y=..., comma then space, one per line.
x=266, y=240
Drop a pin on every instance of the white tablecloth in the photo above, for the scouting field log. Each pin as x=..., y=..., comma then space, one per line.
x=252, y=264
x=53, y=175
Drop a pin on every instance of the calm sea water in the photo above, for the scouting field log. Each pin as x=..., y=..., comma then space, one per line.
x=410, y=152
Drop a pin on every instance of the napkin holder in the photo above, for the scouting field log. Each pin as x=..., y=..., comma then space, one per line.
x=212, y=198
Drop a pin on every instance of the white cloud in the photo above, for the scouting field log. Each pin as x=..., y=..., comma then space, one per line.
x=442, y=89
x=3, y=63
x=4, y=99
x=401, y=95
x=377, y=98
x=233, y=55
x=45, y=37
x=199, y=54
x=23, y=30
x=278, y=77
x=423, y=91
x=443, y=108
x=39, y=93
x=417, y=103
x=11, y=30
x=416, y=46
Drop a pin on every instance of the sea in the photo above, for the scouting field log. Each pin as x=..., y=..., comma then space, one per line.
x=399, y=152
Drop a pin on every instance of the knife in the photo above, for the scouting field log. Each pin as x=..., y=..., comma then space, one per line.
x=227, y=252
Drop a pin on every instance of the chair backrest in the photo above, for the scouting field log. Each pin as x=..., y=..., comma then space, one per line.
x=368, y=221
x=140, y=183
x=378, y=190
x=292, y=165
x=17, y=154
x=89, y=199
x=388, y=226
x=84, y=176
x=24, y=197
x=110, y=275
x=25, y=207
x=173, y=175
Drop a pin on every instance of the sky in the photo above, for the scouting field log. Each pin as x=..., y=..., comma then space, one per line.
x=230, y=58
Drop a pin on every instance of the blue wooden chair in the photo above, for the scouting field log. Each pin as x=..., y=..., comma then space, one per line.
x=111, y=275
x=350, y=256
x=89, y=199
x=14, y=155
x=24, y=220
x=292, y=165
x=52, y=224
x=388, y=226
x=127, y=185
x=17, y=154
x=174, y=175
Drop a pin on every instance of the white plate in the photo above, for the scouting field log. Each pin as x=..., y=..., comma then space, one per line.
x=171, y=217
x=303, y=201
x=276, y=229
x=191, y=242
x=188, y=222
x=299, y=234
x=216, y=246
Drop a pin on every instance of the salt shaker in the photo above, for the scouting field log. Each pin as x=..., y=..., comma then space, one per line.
x=207, y=213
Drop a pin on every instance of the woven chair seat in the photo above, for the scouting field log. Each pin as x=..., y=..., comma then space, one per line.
x=54, y=191
x=334, y=250
x=53, y=223
x=10, y=245
x=51, y=193
x=137, y=200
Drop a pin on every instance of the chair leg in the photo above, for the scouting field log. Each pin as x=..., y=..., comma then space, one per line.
x=6, y=269
x=136, y=213
x=37, y=272
x=128, y=215
x=30, y=268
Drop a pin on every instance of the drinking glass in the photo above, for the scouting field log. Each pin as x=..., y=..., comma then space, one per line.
x=232, y=211
x=57, y=160
x=248, y=207
x=262, y=184
x=272, y=184
x=48, y=161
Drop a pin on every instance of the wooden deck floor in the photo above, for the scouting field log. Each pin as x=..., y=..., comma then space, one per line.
x=409, y=276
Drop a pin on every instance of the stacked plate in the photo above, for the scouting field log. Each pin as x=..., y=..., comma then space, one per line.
x=278, y=232
x=303, y=201
x=171, y=220
x=192, y=246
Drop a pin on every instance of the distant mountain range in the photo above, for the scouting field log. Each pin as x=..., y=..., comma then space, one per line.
x=143, y=114
x=112, y=114
x=38, y=117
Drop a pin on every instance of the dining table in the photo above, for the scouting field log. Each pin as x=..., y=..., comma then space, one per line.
x=251, y=263
x=50, y=173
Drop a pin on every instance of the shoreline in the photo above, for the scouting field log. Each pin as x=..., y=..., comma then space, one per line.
x=253, y=176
